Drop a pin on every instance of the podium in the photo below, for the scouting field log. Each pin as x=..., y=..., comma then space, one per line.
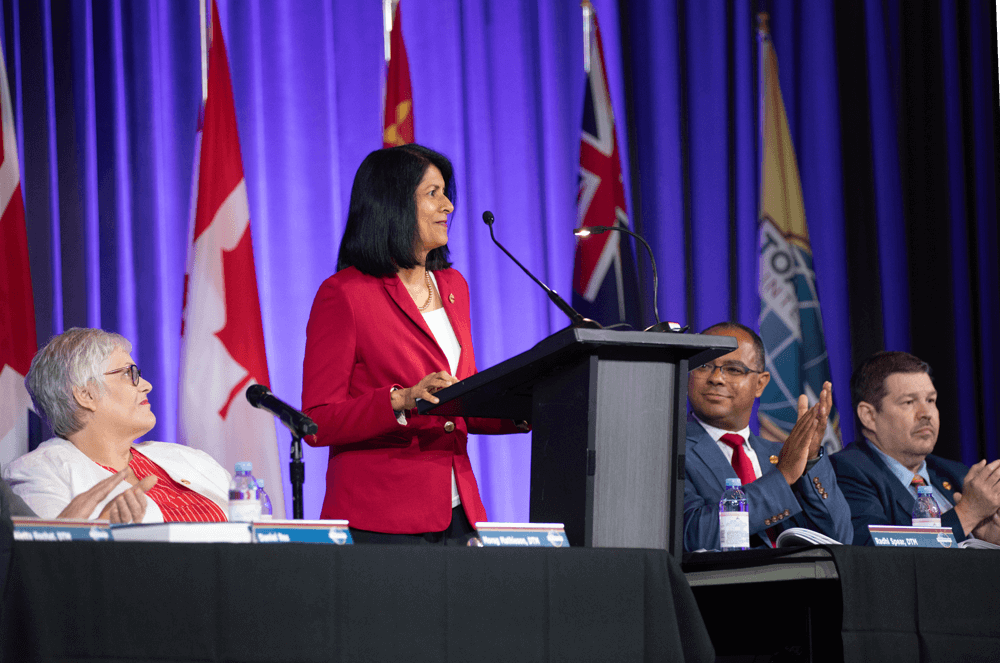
x=608, y=415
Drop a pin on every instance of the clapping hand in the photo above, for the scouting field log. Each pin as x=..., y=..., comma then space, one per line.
x=131, y=504
x=806, y=437
x=980, y=496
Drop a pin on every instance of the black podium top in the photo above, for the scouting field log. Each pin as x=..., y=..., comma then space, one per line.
x=504, y=391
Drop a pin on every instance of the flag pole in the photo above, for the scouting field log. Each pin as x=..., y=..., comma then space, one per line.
x=388, y=7
x=204, y=20
x=588, y=11
x=763, y=36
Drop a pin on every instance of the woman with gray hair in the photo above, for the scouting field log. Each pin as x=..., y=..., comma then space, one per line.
x=86, y=385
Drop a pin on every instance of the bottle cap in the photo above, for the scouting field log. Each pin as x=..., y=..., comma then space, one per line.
x=925, y=490
x=244, y=466
x=260, y=482
x=733, y=482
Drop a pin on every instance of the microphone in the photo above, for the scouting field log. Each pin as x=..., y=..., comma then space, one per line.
x=587, y=231
x=299, y=424
x=572, y=313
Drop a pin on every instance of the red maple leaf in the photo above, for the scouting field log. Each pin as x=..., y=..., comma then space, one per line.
x=243, y=322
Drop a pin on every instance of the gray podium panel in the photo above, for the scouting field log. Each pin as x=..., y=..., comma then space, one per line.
x=633, y=439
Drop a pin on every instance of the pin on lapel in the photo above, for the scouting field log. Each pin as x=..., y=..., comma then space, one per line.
x=774, y=460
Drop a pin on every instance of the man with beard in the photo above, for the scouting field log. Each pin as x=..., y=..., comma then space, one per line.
x=896, y=403
x=787, y=485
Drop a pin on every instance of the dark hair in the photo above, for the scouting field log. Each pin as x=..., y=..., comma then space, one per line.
x=382, y=221
x=758, y=344
x=868, y=380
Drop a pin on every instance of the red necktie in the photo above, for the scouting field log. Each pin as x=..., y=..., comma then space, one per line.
x=741, y=461
x=917, y=481
x=744, y=469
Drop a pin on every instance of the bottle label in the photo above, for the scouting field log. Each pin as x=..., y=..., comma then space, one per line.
x=244, y=511
x=927, y=522
x=734, y=530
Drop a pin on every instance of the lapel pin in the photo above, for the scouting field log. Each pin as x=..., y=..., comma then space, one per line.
x=451, y=298
x=774, y=460
x=946, y=484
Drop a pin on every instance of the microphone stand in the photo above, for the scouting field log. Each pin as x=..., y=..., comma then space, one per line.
x=659, y=326
x=297, y=474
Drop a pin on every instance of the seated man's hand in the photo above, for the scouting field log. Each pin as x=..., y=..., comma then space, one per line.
x=989, y=530
x=130, y=506
x=826, y=400
x=84, y=504
x=798, y=447
x=980, y=497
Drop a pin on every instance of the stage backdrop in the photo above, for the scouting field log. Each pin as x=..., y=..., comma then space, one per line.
x=892, y=107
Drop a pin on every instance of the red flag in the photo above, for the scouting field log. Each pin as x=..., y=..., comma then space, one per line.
x=397, y=120
x=222, y=345
x=18, y=341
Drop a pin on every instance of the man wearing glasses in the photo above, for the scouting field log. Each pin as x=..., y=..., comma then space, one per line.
x=787, y=485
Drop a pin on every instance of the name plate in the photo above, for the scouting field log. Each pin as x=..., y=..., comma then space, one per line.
x=303, y=531
x=523, y=535
x=38, y=529
x=895, y=536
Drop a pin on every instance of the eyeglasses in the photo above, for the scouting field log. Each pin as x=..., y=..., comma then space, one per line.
x=734, y=371
x=133, y=372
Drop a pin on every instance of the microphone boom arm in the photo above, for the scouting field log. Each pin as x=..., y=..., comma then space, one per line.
x=571, y=313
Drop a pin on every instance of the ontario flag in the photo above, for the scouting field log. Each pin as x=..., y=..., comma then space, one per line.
x=605, y=286
x=397, y=119
x=18, y=341
x=791, y=325
x=222, y=344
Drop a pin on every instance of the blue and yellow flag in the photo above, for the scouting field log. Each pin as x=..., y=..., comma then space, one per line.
x=790, y=321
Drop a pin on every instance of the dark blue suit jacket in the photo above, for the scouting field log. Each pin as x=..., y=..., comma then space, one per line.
x=772, y=502
x=877, y=497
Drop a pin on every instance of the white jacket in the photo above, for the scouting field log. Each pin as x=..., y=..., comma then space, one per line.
x=56, y=472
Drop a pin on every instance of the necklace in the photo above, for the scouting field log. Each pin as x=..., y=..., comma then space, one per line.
x=430, y=291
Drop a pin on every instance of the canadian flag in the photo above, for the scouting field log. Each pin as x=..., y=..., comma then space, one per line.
x=18, y=341
x=222, y=344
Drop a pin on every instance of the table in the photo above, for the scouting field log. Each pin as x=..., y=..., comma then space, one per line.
x=852, y=603
x=297, y=602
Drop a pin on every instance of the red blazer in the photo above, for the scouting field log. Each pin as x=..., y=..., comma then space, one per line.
x=365, y=335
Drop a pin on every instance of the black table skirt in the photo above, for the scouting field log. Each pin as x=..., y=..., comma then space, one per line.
x=885, y=604
x=920, y=604
x=84, y=601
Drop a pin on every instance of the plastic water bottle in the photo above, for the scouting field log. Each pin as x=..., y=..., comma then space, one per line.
x=244, y=500
x=265, y=502
x=926, y=512
x=734, y=519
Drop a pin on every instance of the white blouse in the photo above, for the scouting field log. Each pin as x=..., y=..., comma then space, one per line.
x=441, y=327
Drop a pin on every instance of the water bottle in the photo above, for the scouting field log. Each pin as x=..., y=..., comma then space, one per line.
x=265, y=502
x=926, y=512
x=734, y=519
x=244, y=500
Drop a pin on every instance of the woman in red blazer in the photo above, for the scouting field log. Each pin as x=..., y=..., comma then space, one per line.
x=391, y=326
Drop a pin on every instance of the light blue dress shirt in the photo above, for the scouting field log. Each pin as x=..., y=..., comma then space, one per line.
x=904, y=475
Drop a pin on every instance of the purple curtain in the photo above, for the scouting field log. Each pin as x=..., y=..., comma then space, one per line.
x=893, y=109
